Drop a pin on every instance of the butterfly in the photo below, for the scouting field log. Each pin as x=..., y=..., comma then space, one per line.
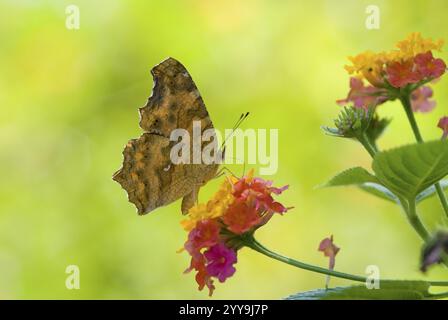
x=148, y=175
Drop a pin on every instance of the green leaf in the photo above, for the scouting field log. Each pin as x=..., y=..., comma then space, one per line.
x=364, y=180
x=352, y=176
x=384, y=193
x=409, y=170
x=379, y=191
x=389, y=290
x=428, y=193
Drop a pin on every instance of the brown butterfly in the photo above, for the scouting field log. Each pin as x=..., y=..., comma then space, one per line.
x=148, y=175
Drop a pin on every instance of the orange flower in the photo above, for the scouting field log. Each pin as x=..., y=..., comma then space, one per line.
x=214, y=228
x=240, y=217
x=397, y=65
x=401, y=74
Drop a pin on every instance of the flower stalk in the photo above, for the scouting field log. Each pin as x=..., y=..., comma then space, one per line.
x=414, y=220
x=406, y=102
x=365, y=141
x=250, y=242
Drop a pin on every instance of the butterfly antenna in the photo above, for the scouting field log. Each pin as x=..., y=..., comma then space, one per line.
x=221, y=172
x=241, y=119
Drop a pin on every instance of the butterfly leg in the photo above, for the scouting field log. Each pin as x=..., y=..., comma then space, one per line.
x=189, y=200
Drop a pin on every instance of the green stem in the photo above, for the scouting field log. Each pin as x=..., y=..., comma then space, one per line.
x=252, y=243
x=411, y=212
x=442, y=197
x=255, y=245
x=405, y=101
x=364, y=140
x=415, y=221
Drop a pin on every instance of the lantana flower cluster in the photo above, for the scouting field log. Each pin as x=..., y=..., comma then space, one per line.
x=214, y=228
x=381, y=76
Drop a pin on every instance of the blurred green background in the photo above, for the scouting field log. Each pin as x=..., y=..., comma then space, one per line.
x=69, y=102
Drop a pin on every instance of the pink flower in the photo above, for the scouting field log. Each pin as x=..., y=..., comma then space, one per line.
x=401, y=74
x=205, y=234
x=220, y=261
x=330, y=250
x=443, y=124
x=429, y=67
x=214, y=236
x=362, y=96
x=257, y=192
x=420, y=99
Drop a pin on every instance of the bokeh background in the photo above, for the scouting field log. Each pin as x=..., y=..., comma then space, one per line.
x=68, y=105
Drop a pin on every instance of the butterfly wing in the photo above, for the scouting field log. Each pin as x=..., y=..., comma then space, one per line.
x=148, y=175
x=144, y=160
x=175, y=101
